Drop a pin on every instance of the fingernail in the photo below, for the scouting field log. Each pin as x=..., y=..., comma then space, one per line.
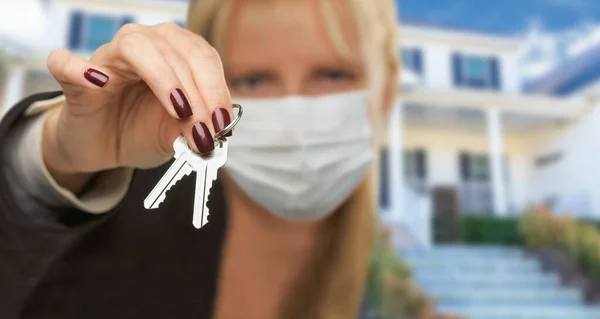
x=96, y=77
x=181, y=104
x=202, y=137
x=220, y=120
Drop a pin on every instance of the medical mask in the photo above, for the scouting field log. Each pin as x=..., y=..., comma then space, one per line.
x=301, y=157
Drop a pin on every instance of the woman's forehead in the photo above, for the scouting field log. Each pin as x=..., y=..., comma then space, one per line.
x=279, y=30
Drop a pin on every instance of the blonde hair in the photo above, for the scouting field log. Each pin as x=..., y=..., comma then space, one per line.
x=332, y=287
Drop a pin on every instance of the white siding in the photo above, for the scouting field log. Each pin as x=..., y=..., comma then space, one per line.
x=509, y=73
x=437, y=66
x=574, y=180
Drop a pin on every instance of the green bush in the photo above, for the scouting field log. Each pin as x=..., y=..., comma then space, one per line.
x=491, y=230
x=482, y=230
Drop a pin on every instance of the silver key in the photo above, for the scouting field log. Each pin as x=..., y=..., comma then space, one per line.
x=185, y=162
x=206, y=169
x=205, y=176
x=180, y=168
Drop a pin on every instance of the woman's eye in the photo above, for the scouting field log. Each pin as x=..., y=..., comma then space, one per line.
x=250, y=82
x=336, y=75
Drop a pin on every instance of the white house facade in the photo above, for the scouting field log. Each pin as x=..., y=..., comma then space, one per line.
x=465, y=134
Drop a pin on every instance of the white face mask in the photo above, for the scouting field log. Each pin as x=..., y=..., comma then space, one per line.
x=301, y=157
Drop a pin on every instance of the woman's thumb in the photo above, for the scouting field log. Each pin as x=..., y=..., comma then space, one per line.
x=75, y=74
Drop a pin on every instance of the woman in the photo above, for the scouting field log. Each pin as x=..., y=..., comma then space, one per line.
x=292, y=212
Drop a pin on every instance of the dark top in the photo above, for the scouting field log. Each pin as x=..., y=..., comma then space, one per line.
x=128, y=263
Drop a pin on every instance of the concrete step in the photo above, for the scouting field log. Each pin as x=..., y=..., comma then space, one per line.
x=464, y=251
x=484, y=281
x=506, y=297
x=463, y=258
x=487, y=282
x=524, y=312
x=459, y=260
x=489, y=267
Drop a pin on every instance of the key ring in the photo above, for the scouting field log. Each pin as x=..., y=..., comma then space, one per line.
x=221, y=135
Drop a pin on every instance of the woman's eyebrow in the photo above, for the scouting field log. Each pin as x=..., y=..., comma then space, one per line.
x=257, y=71
x=339, y=64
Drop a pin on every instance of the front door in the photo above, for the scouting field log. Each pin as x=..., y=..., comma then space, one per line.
x=447, y=220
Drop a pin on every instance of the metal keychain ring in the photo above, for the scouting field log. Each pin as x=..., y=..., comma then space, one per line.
x=231, y=125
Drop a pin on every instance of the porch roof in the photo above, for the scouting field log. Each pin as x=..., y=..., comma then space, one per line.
x=526, y=104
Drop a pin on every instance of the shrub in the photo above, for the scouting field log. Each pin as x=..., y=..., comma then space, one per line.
x=491, y=230
x=536, y=227
x=581, y=240
x=564, y=229
x=588, y=245
x=390, y=291
x=402, y=299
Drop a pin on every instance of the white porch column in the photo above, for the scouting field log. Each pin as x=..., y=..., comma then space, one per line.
x=494, y=130
x=395, y=163
x=13, y=91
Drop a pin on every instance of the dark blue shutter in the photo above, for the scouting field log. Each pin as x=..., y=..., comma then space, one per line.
x=127, y=19
x=457, y=69
x=495, y=73
x=384, y=189
x=76, y=30
x=421, y=159
x=418, y=61
x=465, y=167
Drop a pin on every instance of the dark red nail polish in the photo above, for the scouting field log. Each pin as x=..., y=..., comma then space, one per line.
x=202, y=137
x=181, y=104
x=96, y=77
x=220, y=120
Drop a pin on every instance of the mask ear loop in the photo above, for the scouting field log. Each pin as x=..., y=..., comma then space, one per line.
x=221, y=135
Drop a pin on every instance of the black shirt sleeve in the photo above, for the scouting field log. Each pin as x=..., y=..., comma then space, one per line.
x=28, y=247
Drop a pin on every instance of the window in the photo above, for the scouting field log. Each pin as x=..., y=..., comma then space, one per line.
x=480, y=168
x=415, y=173
x=89, y=31
x=477, y=167
x=476, y=71
x=476, y=182
x=412, y=59
x=410, y=164
x=475, y=187
x=98, y=31
x=415, y=169
x=548, y=159
x=415, y=164
x=474, y=167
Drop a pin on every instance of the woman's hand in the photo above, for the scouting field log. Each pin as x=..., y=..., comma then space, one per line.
x=127, y=105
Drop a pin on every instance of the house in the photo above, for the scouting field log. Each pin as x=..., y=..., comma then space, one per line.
x=78, y=25
x=464, y=137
